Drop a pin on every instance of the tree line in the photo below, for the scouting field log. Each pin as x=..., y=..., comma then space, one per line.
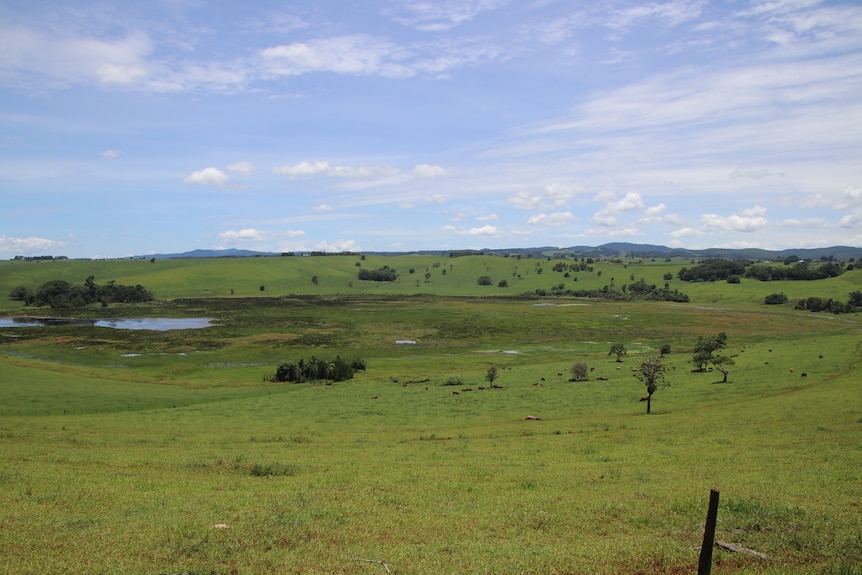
x=731, y=270
x=316, y=369
x=62, y=294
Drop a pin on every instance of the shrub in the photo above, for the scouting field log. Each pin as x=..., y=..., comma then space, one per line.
x=384, y=274
x=484, y=281
x=775, y=299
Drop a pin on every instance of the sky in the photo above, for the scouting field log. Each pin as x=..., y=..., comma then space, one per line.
x=161, y=126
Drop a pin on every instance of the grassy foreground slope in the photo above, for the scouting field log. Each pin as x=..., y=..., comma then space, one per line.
x=166, y=452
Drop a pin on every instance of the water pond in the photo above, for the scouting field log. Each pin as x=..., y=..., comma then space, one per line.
x=150, y=323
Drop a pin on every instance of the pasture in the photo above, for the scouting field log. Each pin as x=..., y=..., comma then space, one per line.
x=126, y=451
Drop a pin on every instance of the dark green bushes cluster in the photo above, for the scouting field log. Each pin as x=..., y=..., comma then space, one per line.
x=315, y=369
x=638, y=290
x=800, y=271
x=384, y=274
x=712, y=270
x=62, y=294
x=816, y=304
x=775, y=299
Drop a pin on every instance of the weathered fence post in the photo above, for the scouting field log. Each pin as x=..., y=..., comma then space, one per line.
x=704, y=565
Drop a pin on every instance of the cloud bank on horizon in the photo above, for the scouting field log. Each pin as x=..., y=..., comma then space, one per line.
x=144, y=127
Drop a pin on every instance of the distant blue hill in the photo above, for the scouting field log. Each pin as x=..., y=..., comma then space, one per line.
x=610, y=250
x=232, y=253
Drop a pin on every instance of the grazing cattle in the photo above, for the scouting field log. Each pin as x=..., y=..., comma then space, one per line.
x=645, y=398
x=373, y=397
x=495, y=386
x=791, y=370
x=454, y=393
x=821, y=357
x=531, y=418
x=601, y=379
x=467, y=389
x=803, y=374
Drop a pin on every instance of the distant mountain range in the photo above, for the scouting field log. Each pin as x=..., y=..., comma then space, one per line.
x=615, y=249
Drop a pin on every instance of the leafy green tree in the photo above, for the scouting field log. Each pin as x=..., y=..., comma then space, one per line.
x=665, y=349
x=705, y=347
x=484, y=281
x=652, y=373
x=619, y=350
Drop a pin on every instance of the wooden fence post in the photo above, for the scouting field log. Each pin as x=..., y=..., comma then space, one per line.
x=704, y=565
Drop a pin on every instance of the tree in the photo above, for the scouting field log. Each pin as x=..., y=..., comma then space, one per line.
x=315, y=280
x=618, y=349
x=484, y=281
x=651, y=373
x=491, y=374
x=665, y=349
x=580, y=371
x=720, y=362
x=705, y=347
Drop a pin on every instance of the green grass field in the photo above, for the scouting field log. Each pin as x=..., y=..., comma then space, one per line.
x=126, y=451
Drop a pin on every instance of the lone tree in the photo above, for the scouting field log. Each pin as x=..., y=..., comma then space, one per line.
x=720, y=362
x=491, y=374
x=705, y=347
x=580, y=372
x=618, y=349
x=651, y=373
x=665, y=349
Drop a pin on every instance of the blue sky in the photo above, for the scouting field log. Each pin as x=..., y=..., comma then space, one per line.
x=129, y=128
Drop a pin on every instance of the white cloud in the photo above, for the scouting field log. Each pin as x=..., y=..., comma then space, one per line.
x=110, y=154
x=488, y=218
x=305, y=168
x=487, y=230
x=301, y=169
x=554, y=219
x=64, y=59
x=28, y=246
x=207, y=177
x=250, y=235
x=242, y=168
x=120, y=73
x=435, y=199
x=247, y=235
x=359, y=54
x=607, y=216
x=851, y=221
x=323, y=208
x=428, y=171
x=665, y=13
x=550, y=197
x=339, y=246
x=749, y=220
x=362, y=172
x=441, y=15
